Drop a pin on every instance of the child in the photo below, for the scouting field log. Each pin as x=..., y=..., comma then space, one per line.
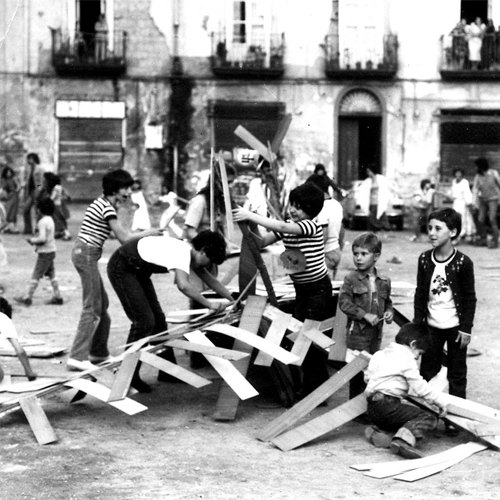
x=365, y=297
x=45, y=247
x=330, y=219
x=303, y=240
x=422, y=206
x=390, y=375
x=52, y=189
x=140, y=220
x=461, y=196
x=91, y=339
x=445, y=300
x=8, y=331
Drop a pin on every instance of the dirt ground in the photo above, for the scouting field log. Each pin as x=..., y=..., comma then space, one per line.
x=175, y=450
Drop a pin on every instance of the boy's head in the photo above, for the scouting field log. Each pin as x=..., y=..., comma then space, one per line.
x=212, y=244
x=366, y=250
x=137, y=185
x=115, y=180
x=45, y=206
x=425, y=184
x=458, y=173
x=320, y=169
x=308, y=198
x=33, y=159
x=416, y=337
x=482, y=165
x=319, y=181
x=5, y=307
x=443, y=225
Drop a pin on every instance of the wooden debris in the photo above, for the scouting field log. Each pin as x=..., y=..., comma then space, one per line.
x=38, y=421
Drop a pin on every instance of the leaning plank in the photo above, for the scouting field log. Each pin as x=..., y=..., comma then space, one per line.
x=253, y=340
x=30, y=386
x=272, y=313
x=124, y=376
x=274, y=335
x=470, y=409
x=38, y=421
x=318, y=338
x=253, y=142
x=303, y=343
x=127, y=405
x=420, y=473
x=174, y=370
x=220, y=352
x=338, y=351
x=226, y=369
x=321, y=425
x=227, y=198
x=322, y=393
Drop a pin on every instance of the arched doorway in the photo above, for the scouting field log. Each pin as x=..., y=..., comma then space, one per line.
x=359, y=135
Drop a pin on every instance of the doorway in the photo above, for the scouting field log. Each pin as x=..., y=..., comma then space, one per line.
x=471, y=9
x=88, y=12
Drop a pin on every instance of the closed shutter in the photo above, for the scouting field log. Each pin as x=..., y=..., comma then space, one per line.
x=88, y=148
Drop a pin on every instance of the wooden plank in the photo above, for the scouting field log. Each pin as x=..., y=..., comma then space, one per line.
x=281, y=131
x=124, y=376
x=321, y=425
x=253, y=340
x=318, y=338
x=253, y=142
x=318, y=396
x=228, y=402
x=228, y=354
x=31, y=386
x=271, y=312
x=174, y=370
x=303, y=342
x=38, y=421
x=470, y=409
x=339, y=349
x=274, y=335
x=126, y=405
x=227, y=199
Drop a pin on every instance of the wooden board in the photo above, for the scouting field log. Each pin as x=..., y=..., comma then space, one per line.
x=38, y=421
x=227, y=199
x=338, y=351
x=228, y=402
x=318, y=338
x=321, y=425
x=124, y=376
x=272, y=313
x=274, y=335
x=246, y=337
x=30, y=386
x=253, y=142
x=220, y=352
x=174, y=370
x=281, y=131
x=318, y=396
x=303, y=343
x=36, y=352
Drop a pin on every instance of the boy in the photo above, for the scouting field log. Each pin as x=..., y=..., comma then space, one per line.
x=445, y=300
x=390, y=375
x=304, y=248
x=365, y=297
x=91, y=340
x=330, y=219
x=45, y=247
x=8, y=331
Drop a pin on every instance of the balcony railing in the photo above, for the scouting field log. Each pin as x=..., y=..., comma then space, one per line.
x=480, y=61
x=364, y=61
x=89, y=55
x=247, y=57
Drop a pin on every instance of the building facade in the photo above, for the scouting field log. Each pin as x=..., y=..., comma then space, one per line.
x=158, y=84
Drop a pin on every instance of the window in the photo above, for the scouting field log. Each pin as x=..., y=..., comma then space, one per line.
x=471, y=9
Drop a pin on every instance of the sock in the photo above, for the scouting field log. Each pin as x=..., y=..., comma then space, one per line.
x=55, y=288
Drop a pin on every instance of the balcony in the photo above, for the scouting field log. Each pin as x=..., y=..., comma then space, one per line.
x=457, y=64
x=256, y=59
x=87, y=56
x=361, y=61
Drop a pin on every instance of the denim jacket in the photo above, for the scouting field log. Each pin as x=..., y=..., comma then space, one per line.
x=355, y=298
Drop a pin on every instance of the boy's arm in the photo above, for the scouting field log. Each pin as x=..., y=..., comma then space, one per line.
x=389, y=308
x=214, y=283
x=420, y=300
x=240, y=215
x=346, y=302
x=468, y=292
x=421, y=387
x=123, y=235
x=41, y=237
x=23, y=358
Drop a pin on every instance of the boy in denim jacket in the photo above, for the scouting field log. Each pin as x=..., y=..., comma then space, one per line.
x=365, y=297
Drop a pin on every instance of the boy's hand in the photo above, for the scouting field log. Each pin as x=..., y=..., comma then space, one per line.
x=217, y=307
x=371, y=319
x=388, y=317
x=240, y=214
x=464, y=339
x=443, y=411
x=31, y=376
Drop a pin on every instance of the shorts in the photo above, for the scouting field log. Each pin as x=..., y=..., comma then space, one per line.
x=44, y=266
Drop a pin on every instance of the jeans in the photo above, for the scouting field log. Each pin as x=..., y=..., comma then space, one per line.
x=93, y=328
x=456, y=359
x=488, y=207
x=29, y=204
x=136, y=292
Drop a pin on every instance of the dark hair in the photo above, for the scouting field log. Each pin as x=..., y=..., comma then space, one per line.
x=482, y=165
x=115, y=180
x=424, y=183
x=308, y=198
x=5, y=170
x=46, y=206
x=34, y=157
x=5, y=307
x=370, y=241
x=319, y=167
x=52, y=180
x=320, y=181
x=455, y=170
x=220, y=208
x=450, y=217
x=212, y=243
x=413, y=332
x=138, y=182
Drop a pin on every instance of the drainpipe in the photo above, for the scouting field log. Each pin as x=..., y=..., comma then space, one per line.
x=176, y=62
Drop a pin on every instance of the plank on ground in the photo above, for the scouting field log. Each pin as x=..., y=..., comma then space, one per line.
x=321, y=425
x=338, y=350
x=38, y=421
x=229, y=354
x=274, y=335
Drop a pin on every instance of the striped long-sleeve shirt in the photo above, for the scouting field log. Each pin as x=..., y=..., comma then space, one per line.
x=95, y=227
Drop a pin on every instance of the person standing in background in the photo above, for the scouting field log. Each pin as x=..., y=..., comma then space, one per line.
x=32, y=186
x=101, y=38
x=10, y=198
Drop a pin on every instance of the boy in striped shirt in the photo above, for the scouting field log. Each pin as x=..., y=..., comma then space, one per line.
x=304, y=257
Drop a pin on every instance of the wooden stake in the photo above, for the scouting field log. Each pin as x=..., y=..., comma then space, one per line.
x=227, y=199
x=38, y=421
x=212, y=191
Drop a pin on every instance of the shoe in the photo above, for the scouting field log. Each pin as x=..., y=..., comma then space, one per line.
x=23, y=300
x=363, y=419
x=55, y=301
x=75, y=365
x=404, y=449
x=493, y=244
x=378, y=438
x=110, y=359
x=451, y=430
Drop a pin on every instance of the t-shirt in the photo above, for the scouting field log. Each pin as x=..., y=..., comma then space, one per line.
x=331, y=215
x=95, y=227
x=45, y=231
x=442, y=311
x=198, y=216
x=7, y=328
x=310, y=243
x=166, y=252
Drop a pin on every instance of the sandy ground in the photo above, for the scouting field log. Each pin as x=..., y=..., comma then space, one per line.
x=176, y=450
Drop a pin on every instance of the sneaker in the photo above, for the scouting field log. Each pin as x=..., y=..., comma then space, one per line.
x=378, y=438
x=403, y=449
x=110, y=359
x=23, y=300
x=55, y=301
x=76, y=365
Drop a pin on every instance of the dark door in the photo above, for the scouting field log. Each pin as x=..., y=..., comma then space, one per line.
x=348, y=151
